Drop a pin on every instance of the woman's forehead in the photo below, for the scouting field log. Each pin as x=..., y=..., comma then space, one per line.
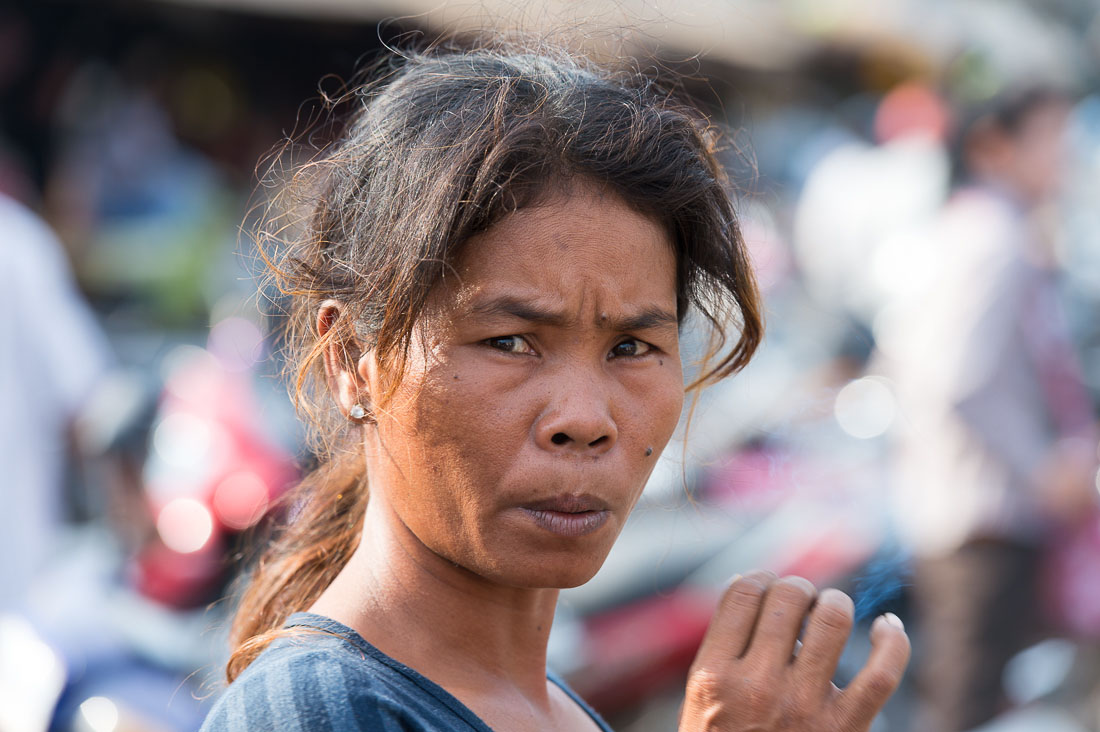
x=588, y=244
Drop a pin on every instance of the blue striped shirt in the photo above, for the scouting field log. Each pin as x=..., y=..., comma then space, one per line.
x=329, y=678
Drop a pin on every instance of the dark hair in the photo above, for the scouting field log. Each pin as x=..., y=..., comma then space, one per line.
x=1006, y=113
x=439, y=149
x=1010, y=111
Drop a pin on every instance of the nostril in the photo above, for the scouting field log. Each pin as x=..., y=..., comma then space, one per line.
x=560, y=438
x=598, y=441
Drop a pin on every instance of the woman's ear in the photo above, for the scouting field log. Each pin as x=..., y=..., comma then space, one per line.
x=343, y=353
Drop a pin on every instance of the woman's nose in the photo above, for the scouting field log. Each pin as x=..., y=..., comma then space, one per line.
x=580, y=422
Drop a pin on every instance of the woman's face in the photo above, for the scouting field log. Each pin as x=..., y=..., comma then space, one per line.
x=538, y=394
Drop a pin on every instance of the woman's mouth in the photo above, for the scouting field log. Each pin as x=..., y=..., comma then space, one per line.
x=569, y=515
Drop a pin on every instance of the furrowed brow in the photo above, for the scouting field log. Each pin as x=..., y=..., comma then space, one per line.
x=515, y=308
x=645, y=320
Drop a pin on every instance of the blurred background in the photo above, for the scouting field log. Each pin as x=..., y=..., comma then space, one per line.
x=917, y=181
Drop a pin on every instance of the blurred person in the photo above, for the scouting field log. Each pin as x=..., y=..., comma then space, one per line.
x=54, y=356
x=487, y=300
x=999, y=445
x=860, y=199
x=146, y=216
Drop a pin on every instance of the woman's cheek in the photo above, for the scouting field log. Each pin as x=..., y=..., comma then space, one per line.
x=465, y=423
x=661, y=401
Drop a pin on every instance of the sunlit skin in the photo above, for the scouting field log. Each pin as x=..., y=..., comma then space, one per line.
x=540, y=390
x=541, y=386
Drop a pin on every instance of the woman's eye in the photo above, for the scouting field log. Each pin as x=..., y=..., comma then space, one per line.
x=632, y=347
x=510, y=344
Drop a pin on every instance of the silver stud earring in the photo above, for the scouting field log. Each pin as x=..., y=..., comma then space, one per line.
x=357, y=412
x=648, y=451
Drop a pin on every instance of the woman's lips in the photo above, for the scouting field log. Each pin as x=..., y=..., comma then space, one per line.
x=569, y=515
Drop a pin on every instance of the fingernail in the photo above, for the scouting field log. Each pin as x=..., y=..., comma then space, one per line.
x=893, y=620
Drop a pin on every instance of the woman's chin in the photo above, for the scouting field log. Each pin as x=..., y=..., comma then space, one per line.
x=555, y=581
x=551, y=572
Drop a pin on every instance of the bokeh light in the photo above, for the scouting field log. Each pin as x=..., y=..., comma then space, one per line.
x=182, y=440
x=241, y=499
x=185, y=525
x=865, y=408
x=238, y=343
x=100, y=714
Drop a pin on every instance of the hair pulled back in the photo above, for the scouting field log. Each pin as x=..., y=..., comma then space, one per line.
x=439, y=149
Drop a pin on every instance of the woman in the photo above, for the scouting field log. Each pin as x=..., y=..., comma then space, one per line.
x=486, y=303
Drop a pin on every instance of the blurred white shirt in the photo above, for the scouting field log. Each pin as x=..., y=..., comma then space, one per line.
x=975, y=423
x=53, y=353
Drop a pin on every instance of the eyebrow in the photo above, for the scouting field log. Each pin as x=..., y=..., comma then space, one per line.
x=645, y=319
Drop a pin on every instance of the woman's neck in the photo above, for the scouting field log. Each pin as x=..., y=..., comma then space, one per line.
x=471, y=636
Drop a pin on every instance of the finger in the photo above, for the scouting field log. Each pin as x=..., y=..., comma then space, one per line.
x=876, y=681
x=733, y=621
x=823, y=642
x=785, y=608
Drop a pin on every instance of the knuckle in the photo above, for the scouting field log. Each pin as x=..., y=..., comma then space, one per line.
x=845, y=722
x=705, y=684
x=834, y=618
x=794, y=590
x=798, y=716
x=743, y=593
x=757, y=696
x=762, y=577
x=712, y=716
x=881, y=684
x=833, y=597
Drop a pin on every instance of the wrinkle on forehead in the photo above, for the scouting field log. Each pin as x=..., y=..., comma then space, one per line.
x=533, y=311
x=582, y=269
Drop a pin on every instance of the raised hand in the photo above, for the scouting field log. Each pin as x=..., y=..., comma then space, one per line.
x=751, y=675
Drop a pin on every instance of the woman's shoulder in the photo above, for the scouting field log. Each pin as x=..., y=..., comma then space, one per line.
x=322, y=676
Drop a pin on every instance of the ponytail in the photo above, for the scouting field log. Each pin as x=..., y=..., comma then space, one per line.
x=319, y=534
